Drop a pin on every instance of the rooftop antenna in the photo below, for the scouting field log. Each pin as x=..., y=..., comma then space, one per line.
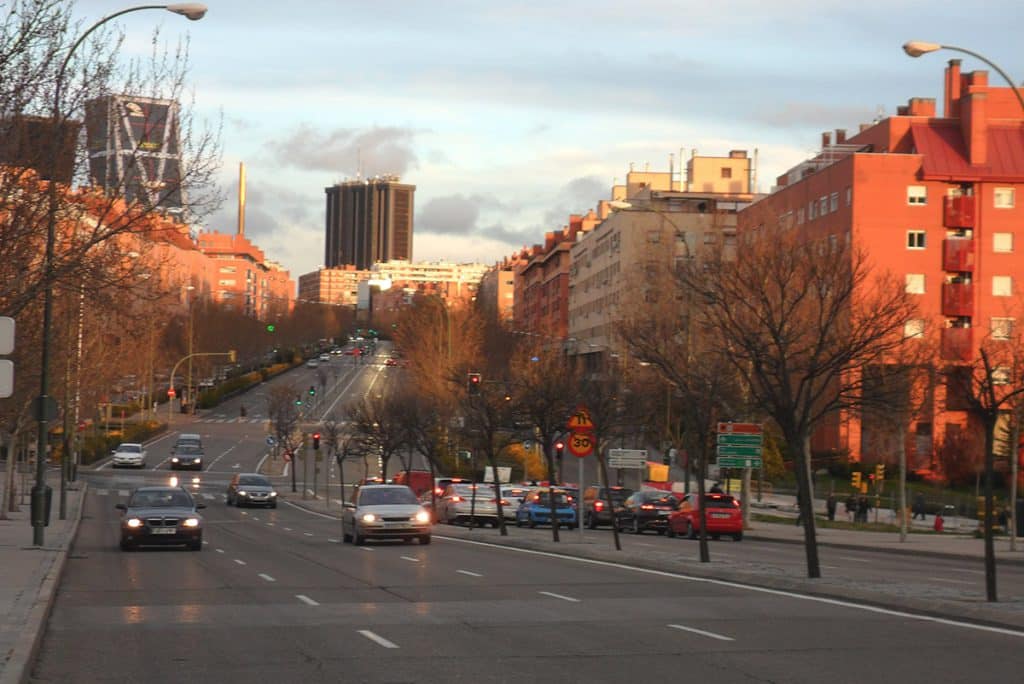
x=241, y=199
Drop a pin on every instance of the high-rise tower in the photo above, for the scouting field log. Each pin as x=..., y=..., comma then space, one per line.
x=368, y=221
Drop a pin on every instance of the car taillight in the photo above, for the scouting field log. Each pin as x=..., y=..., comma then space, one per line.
x=504, y=503
x=647, y=507
x=598, y=505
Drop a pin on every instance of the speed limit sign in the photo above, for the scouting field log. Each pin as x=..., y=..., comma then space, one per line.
x=581, y=444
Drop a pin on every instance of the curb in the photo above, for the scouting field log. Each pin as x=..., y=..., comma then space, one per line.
x=17, y=669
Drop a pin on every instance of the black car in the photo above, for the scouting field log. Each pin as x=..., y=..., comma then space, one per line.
x=187, y=457
x=596, y=509
x=160, y=516
x=251, y=489
x=647, y=509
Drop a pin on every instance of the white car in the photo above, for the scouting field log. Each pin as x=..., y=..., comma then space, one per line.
x=511, y=497
x=312, y=363
x=129, y=454
x=383, y=511
x=325, y=357
x=459, y=504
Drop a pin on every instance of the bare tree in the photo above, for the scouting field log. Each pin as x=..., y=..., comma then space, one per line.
x=283, y=409
x=378, y=422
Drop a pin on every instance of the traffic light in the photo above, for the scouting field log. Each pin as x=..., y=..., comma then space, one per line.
x=298, y=401
x=312, y=390
x=559, y=448
x=271, y=327
x=880, y=472
x=316, y=440
x=473, y=383
x=855, y=480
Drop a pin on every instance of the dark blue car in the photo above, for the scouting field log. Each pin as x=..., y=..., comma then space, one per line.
x=536, y=509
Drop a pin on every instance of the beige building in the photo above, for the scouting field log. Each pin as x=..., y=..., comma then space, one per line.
x=649, y=224
x=455, y=283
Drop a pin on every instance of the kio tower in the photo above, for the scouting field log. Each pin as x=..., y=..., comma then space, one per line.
x=368, y=221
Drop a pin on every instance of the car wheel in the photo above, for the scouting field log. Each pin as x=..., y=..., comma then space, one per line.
x=738, y=536
x=346, y=537
x=357, y=538
x=669, y=532
x=661, y=531
x=424, y=539
x=533, y=523
x=126, y=545
x=519, y=523
x=197, y=545
x=636, y=527
x=690, y=531
x=273, y=505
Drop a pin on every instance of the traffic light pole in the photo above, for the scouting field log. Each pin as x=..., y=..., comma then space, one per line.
x=170, y=398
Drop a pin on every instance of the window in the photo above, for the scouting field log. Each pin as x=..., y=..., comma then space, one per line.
x=915, y=283
x=710, y=237
x=812, y=210
x=1002, y=242
x=913, y=328
x=915, y=239
x=1002, y=286
x=726, y=172
x=917, y=194
x=823, y=205
x=800, y=216
x=1002, y=328
x=849, y=195
x=834, y=201
x=228, y=269
x=1001, y=376
x=1003, y=198
x=226, y=282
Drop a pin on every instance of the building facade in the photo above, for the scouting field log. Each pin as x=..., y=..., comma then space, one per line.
x=243, y=280
x=932, y=198
x=368, y=221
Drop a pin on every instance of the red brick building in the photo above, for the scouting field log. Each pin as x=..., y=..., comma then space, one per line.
x=932, y=198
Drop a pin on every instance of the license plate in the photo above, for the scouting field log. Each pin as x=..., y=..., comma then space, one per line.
x=164, y=530
x=663, y=512
x=720, y=516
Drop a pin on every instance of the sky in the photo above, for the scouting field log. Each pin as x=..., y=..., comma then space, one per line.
x=508, y=116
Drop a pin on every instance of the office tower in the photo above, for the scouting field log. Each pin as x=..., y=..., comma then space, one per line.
x=368, y=221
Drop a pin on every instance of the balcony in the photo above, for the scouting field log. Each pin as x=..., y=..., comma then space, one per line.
x=958, y=255
x=958, y=212
x=956, y=344
x=957, y=299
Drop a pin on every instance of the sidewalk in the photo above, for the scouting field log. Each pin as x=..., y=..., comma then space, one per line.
x=30, y=578
x=953, y=602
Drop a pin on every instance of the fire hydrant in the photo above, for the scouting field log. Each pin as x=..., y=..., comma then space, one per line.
x=938, y=522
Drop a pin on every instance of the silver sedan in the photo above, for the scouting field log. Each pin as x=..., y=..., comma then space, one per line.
x=382, y=511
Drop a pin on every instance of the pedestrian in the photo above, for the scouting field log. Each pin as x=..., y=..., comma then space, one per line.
x=918, y=506
x=863, y=506
x=715, y=488
x=851, y=507
x=830, y=506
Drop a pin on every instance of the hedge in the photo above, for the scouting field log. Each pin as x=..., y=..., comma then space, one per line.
x=98, y=445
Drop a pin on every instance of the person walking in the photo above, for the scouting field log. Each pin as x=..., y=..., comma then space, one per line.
x=862, y=509
x=918, y=506
x=830, y=505
x=851, y=507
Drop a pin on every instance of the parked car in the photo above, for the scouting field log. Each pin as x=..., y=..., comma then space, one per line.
x=723, y=517
x=418, y=481
x=384, y=512
x=536, y=508
x=161, y=515
x=511, y=497
x=463, y=502
x=325, y=357
x=596, y=509
x=312, y=363
x=647, y=509
x=128, y=454
x=251, y=489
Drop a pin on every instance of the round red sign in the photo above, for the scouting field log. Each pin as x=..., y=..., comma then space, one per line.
x=581, y=444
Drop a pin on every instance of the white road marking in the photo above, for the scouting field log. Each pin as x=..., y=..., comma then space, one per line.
x=256, y=519
x=267, y=577
x=973, y=572
x=240, y=562
x=270, y=524
x=856, y=560
x=747, y=587
x=123, y=492
x=377, y=639
x=305, y=599
x=101, y=492
x=410, y=559
x=287, y=529
x=954, y=581
x=209, y=497
x=220, y=550
x=559, y=596
x=469, y=572
x=333, y=541
x=308, y=534
x=720, y=637
x=365, y=548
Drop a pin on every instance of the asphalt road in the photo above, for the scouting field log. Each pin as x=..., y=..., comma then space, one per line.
x=275, y=596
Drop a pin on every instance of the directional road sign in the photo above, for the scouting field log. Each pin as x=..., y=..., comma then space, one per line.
x=744, y=451
x=726, y=462
x=748, y=428
x=739, y=439
x=740, y=445
x=627, y=458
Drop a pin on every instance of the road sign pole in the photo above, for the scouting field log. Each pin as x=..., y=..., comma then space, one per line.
x=579, y=501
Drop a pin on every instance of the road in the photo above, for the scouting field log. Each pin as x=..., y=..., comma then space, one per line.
x=275, y=596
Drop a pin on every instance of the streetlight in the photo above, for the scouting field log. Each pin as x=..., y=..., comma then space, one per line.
x=45, y=407
x=916, y=48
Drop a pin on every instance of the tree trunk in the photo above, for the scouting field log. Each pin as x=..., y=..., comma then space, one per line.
x=497, y=493
x=702, y=471
x=801, y=444
x=603, y=482
x=551, y=483
x=990, y=554
x=901, y=435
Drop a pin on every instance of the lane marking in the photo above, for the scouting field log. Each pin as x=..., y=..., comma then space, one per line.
x=954, y=581
x=559, y=596
x=365, y=548
x=308, y=534
x=410, y=559
x=267, y=577
x=749, y=587
x=720, y=637
x=855, y=560
x=333, y=541
x=287, y=529
x=220, y=550
x=255, y=518
x=973, y=572
x=305, y=599
x=469, y=572
x=240, y=562
x=270, y=524
x=377, y=639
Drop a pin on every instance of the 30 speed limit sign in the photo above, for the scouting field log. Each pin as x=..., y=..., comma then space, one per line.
x=581, y=444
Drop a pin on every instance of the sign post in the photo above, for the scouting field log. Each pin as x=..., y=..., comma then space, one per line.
x=581, y=445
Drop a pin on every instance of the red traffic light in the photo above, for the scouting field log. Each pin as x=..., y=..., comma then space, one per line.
x=316, y=440
x=316, y=435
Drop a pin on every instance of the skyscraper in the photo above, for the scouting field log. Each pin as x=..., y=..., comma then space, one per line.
x=368, y=221
x=134, y=149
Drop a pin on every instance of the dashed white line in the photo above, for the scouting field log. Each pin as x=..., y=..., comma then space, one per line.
x=378, y=639
x=267, y=577
x=856, y=560
x=469, y=572
x=365, y=548
x=333, y=541
x=308, y=534
x=240, y=562
x=270, y=524
x=953, y=581
x=287, y=529
x=305, y=599
x=410, y=559
x=220, y=550
x=712, y=635
x=559, y=596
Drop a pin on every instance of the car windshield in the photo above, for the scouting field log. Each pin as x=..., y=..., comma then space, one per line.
x=467, y=490
x=720, y=502
x=161, y=499
x=130, y=448
x=254, y=480
x=617, y=495
x=378, y=496
x=663, y=499
x=561, y=498
x=188, y=449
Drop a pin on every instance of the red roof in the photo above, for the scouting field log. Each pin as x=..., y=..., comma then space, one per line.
x=945, y=154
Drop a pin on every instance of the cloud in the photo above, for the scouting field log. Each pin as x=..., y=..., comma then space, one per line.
x=454, y=214
x=804, y=114
x=373, y=151
x=268, y=208
x=575, y=197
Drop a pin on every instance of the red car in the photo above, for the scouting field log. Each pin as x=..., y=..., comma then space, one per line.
x=723, y=517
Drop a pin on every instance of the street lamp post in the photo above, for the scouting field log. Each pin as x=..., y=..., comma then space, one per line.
x=44, y=406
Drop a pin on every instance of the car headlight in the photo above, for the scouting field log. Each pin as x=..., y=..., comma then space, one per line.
x=273, y=493
x=422, y=517
x=174, y=459
x=241, y=492
x=191, y=522
x=134, y=522
x=173, y=481
x=369, y=517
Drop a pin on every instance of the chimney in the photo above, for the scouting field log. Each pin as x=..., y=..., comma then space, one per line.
x=826, y=139
x=951, y=104
x=241, y=199
x=974, y=125
x=921, y=106
x=840, y=136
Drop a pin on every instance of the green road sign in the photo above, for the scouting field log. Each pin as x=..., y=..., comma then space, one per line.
x=738, y=439
x=725, y=462
x=744, y=451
